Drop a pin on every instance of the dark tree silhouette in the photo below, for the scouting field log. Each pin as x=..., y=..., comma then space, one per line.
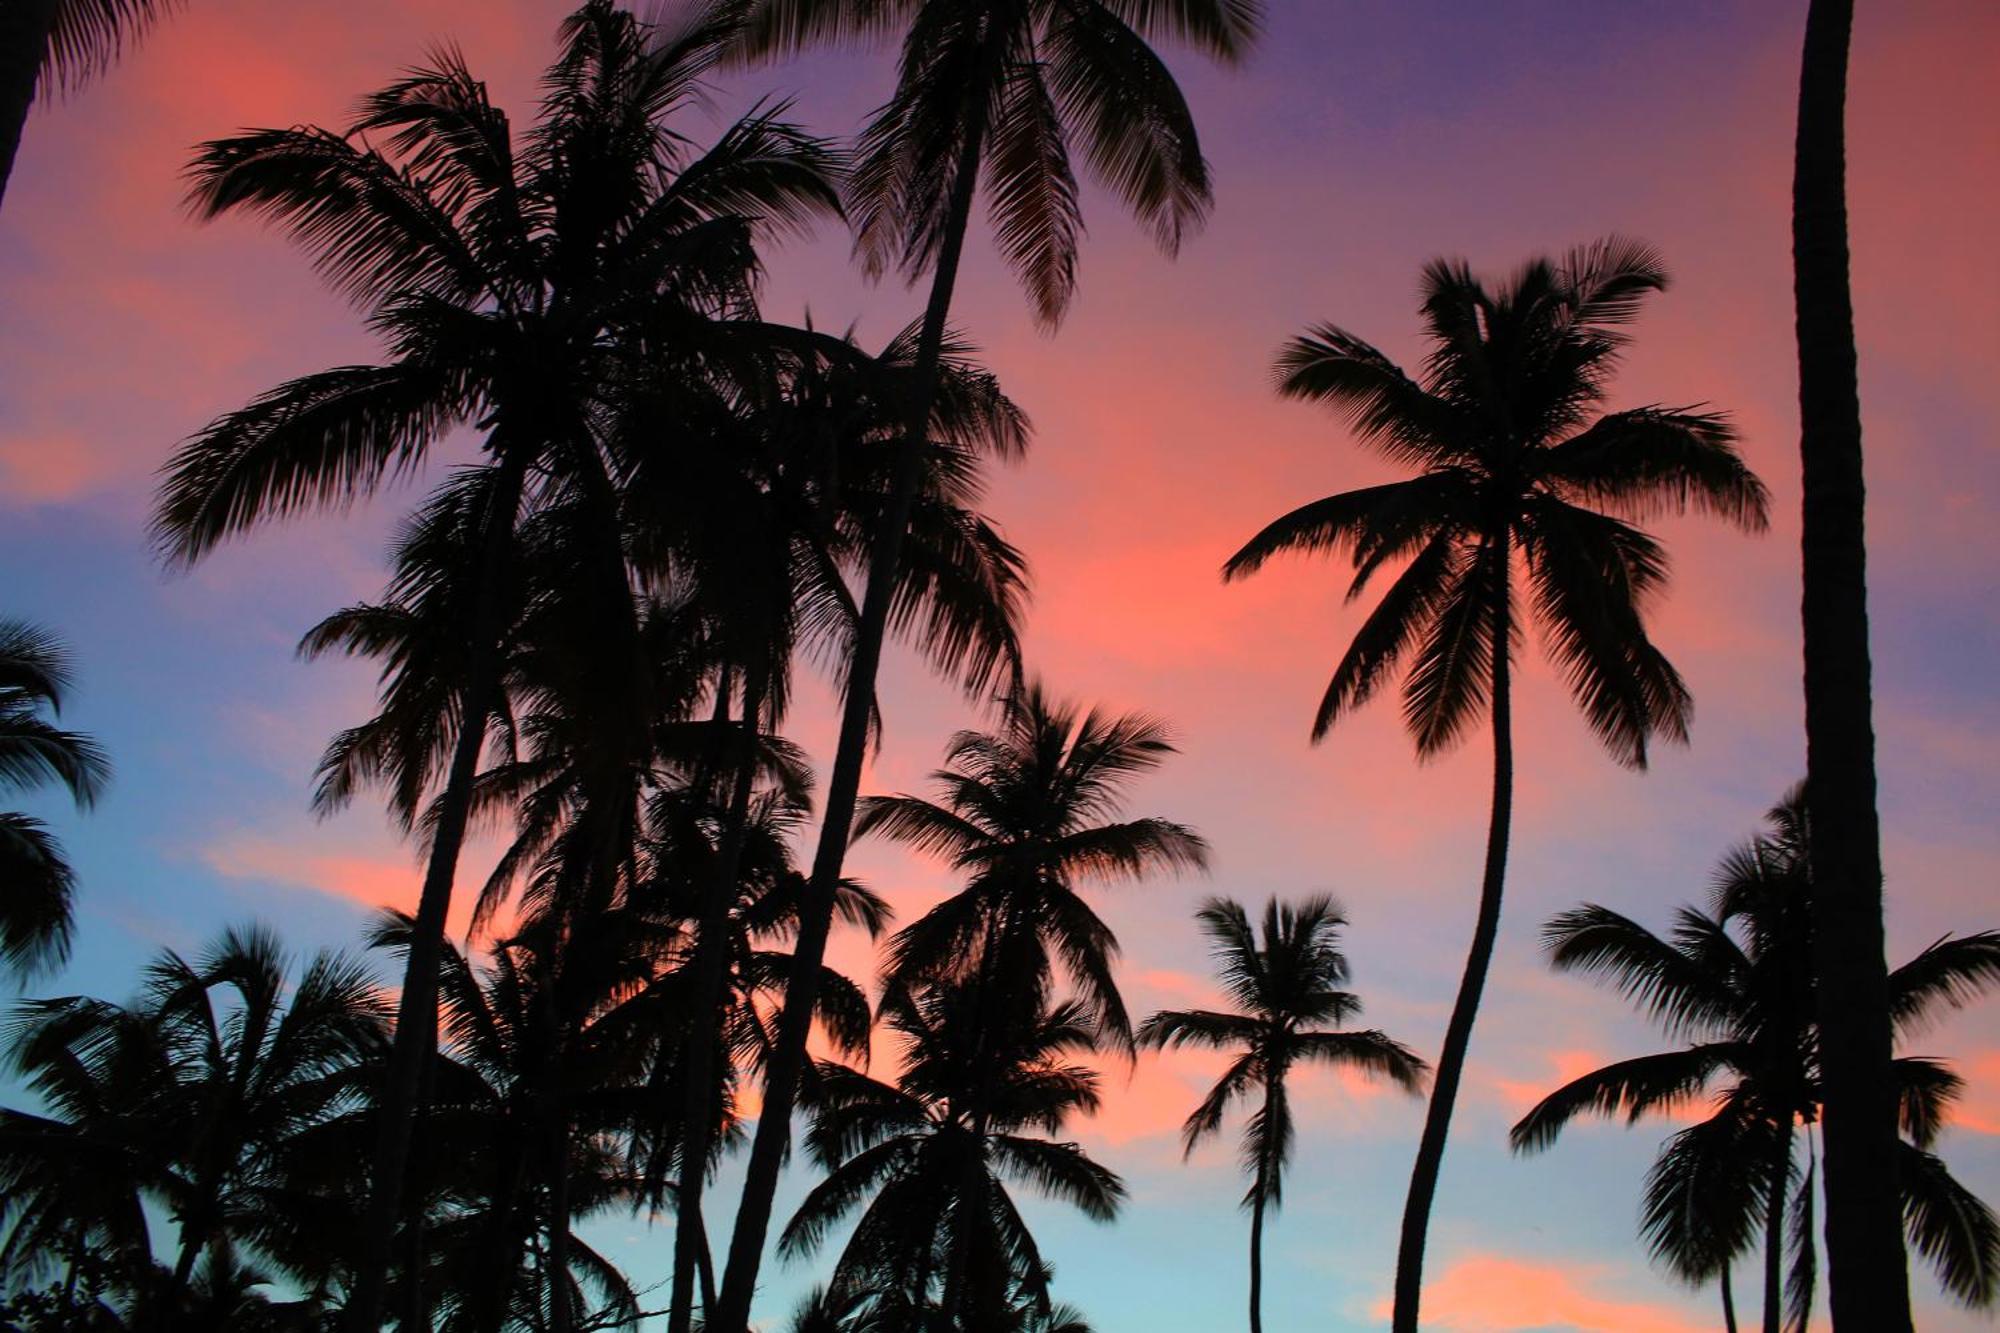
x=46, y=45
x=982, y=1089
x=1736, y=983
x=1505, y=427
x=37, y=884
x=1867, y=1271
x=999, y=89
x=1283, y=989
x=512, y=286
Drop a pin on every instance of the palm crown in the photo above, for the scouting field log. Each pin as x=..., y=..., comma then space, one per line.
x=1736, y=981
x=36, y=881
x=1011, y=89
x=1514, y=454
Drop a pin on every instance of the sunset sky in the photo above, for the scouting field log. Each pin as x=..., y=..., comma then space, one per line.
x=1363, y=138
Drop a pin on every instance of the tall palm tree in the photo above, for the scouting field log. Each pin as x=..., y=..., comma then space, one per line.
x=1283, y=989
x=980, y=1089
x=1028, y=812
x=1736, y=983
x=51, y=44
x=1516, y=459
x=1867, y=1270
x=37, y=885
x=197, y=1094
x=999, y=88
x=514, y=285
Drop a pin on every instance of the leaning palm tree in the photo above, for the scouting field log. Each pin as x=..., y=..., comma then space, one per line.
x=1028, y=812
x=37, y=885
x=928, y=1160
x=515, y=285
x=1737, y=984
x=1867, y=1268
x=999, y=89
x=1518, y=470
x=1283, y=988
x=46, y=45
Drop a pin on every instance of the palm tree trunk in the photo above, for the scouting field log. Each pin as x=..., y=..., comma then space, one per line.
x=1257, y=1236
x=787, y=1063
x=698, y=1068
x=24, y=47
x=1867, y=1269
x=416, y=1015
x=1728, y=1303
x=561, y=1318
x=1458, y=1032
x=1774, y=1234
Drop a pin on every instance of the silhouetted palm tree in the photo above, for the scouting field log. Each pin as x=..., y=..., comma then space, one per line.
x=51, y=44
x=37, y=885
x=999, y=88
x=1737, y=983
x=1283, y=989
x=194, y=1096
x=1505, y=427
x=514, y=286
x=980, y=1087
x=1867, y=1270
x=1028, y=813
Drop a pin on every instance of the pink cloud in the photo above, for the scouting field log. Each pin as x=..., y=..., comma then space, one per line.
x=1492, y=1293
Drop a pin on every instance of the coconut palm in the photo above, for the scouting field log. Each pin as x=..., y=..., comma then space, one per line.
x=1283, y=989
x=194, y=1096
x=928, y=1160
x=512, y=285
x=1867, y=1268
x=1028, y=813
x=37, y=885
x=1519, y=467
x=1736, y=983
x=50, y=45
x=999, y=90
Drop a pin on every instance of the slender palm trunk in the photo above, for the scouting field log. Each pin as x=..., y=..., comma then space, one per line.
x=767, y=1150
x=1867, y=1269
x=561, y=1317
x=1774, y=1235
x=24, y=47
x=1257, y=1230
x=416, y=1015
x=1458, y=1032
x=1728, y=1303
x=698, y=1068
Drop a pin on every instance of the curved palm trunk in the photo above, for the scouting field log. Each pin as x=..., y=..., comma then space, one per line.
x=767, y=1150
x=24, y=46
x=698, y=1069
x=561, y=1318
x=1458, y=1032
x=1867, y=1269
x=1257, y=1232
x=416, y=1015
x=1728, y=1303
x=1774, y=1235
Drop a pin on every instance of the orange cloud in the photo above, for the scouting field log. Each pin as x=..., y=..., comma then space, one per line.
x=1567, y=1065
x=1491, y=1293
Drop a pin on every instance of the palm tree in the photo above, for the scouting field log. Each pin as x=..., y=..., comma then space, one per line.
x=513, y=286
x=1867, y=1270
x=1028, y=813
x=51, y=44
x=931, y=1157
x=196, y=1096
x=1282, y=988
x=1002, y=88
x=1736, y=983
x=37, y=885
x=1514, y=451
